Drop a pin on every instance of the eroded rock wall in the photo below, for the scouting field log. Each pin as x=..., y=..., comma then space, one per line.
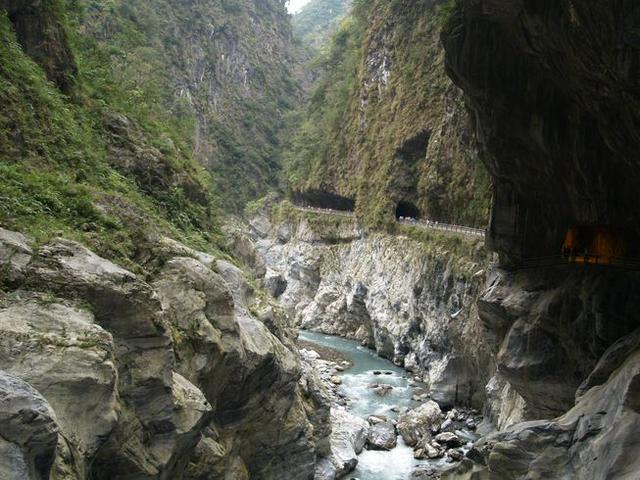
x=553, y=87
x=414, y=303
x=177, y=377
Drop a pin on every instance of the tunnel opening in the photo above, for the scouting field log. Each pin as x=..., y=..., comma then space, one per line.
x=596, y=244
x=325, y=200
x=407, y=210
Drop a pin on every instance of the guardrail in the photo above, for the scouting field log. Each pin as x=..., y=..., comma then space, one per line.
x=444, y=227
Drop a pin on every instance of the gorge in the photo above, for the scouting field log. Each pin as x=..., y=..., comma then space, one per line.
x=222, y=253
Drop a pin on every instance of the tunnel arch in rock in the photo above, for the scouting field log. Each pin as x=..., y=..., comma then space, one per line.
x=406, y=209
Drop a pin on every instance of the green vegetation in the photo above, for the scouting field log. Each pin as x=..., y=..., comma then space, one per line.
x=285, y=211
x=469, y=250
x=216, y=75
x=57, y=175
x=384, y=123
x=307, y=159
x=318, y=19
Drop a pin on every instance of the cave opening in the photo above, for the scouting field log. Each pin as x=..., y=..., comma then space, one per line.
x=325, y=200
x=600, y=244
x=406, y=209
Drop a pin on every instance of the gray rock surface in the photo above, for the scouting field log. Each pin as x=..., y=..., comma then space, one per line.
x=597, y=438
x=15, y=254
x=28, y=431
x=413, y=306
x=58, y=349
x=348, y=437
x=263, y=409
x=448, y=439
x=382, y=436
x=275, y=284
x=416, y=425
x=549, y=333
x=178, y=378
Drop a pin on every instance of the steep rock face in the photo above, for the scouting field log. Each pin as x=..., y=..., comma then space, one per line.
x=597, y=438
x=412, y=303
x=385, y=124
x=178, y=378
x=552, y=326
x=249, y=376
x=348, y=437
x=40, y=32
x=554, y=90
x=76, y=148
x=29, y=431
x=59, y=350
x=221, y=71
x=317, y=20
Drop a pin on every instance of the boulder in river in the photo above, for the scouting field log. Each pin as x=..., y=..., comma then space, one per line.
x=428, y=451
x=382, y=436
x=382, y=390
x=348, y=437
x=455, y=455
x=416, y=424
x=424, y=472
x=451, y=440
x=375, y=419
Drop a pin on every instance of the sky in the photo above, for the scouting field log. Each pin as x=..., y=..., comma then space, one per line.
x=295, y=5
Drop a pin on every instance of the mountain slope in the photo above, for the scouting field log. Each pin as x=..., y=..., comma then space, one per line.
x=318, y=19
x=385, y=125
x=220, y=71
x=75, y=165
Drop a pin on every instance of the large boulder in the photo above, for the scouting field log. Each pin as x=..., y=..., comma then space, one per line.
x=130, y=311
x=242, y=247
x=415, y=425
x=161, y=250
x=242, y=292
x=210, y=459
x=201, y=310
x=122, y=303
x=382, y=436
x=28, y=431
x=597, y=438
x=57, y=347
x=125, y=306
x=261, y=412
x=348, y=437
x=449, y=439
x=192, y=413
x=275, y=284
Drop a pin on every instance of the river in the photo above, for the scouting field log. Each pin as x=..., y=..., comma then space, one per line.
x=396, y=464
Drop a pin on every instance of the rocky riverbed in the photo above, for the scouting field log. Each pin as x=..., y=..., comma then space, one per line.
x=385, y=425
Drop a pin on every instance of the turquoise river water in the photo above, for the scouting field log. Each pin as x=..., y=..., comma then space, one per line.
x=398, y=463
